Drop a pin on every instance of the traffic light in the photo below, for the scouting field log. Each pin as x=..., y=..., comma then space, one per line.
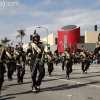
x=16, y=46
x=95, y=27
x=31, y=38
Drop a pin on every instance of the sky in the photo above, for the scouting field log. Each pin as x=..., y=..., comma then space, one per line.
x=51, y=14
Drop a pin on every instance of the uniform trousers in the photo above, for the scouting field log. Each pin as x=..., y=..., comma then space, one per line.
x=20, y=73
x=2, y=71
x=41, y=70
x=87, y=65
x=1, y=82
x=68, y=68
x=63, y=63
x=10, y=66
x=50, y=68
x=83, y=66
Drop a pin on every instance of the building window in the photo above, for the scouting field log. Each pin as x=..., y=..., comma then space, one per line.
x=65, y=41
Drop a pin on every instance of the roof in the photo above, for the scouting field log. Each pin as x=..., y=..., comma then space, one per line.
x=68, y=27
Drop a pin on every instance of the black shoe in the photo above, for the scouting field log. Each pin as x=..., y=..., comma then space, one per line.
x=49, y=75
x=37, y=89
x=83, y=72
x=9, y=79
x=67, y=77
x=21, y=82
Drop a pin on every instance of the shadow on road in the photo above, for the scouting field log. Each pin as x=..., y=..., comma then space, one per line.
x=66, y=87
x=17, y=84
x=85, y=76
x=7, y=98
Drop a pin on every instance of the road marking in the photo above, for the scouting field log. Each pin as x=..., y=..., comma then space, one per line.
x=95, y=85
x=75, y=82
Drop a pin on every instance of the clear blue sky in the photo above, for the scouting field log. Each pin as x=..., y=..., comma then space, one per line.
x=51, y=14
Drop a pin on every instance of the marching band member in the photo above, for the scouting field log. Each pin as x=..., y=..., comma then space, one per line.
x=63, y=60
x=83, y=59
x=88, y=61
x=69, y=62
x=50, y=62
x=37, y=54
x=20, y=64
x=2, y=67
x=9, y=62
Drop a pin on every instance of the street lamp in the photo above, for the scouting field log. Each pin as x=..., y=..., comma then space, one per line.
x=11, y=43
x=47, y=35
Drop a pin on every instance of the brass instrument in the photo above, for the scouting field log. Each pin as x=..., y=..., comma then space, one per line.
x=41, y=62
x=67, y=55
x=83, y=56
x=22, y=63
x=55, y=57
x=1, y=52
x=50, y=58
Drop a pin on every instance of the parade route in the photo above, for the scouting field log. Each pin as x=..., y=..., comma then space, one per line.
x=57, y=87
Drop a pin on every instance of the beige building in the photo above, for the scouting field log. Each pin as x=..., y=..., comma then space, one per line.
x=91, y=36
x=89, y=40
x=51, y=40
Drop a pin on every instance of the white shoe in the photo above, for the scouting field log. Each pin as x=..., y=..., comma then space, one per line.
x=85, y=71
x=34, y=90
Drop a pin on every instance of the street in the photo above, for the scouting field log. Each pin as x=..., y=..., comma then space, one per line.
x=57, y=87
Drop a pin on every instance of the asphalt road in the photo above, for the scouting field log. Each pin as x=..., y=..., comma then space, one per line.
x=57, y=87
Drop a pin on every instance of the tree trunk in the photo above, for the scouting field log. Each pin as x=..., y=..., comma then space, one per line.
x=21, y=40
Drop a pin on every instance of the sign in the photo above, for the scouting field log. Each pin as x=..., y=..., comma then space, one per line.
x=47, y=44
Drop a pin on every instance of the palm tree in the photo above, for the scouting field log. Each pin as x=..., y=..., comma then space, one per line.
x=21, y=34
x=5, y=41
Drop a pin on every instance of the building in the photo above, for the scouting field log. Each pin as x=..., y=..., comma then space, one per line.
x=90, y=40
x=68, y=36
x=91, y=36
x=50, y=41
